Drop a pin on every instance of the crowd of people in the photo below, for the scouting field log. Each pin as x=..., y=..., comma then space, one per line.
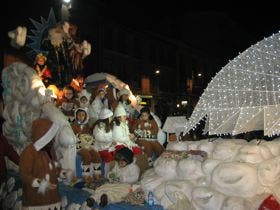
x=117, y=136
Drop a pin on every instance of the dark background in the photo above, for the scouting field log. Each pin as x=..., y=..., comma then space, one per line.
x=255, y=20
x=210, y=34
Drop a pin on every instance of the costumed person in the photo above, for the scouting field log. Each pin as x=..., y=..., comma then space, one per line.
x=125, y=169
x=84, y=98
x=103, y=137
x=39, y=170
x=146, y=130
x=58, y=58
x=121, y=134
x=68, y=103
x=98, y=104
x=42, y=69
x=131, y=113
x=91, y=162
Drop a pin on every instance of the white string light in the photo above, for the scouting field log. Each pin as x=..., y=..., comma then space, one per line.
x=245, y=94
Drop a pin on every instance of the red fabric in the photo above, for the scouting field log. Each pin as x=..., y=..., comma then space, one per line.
x=135, y=150
x=106, y=155
x=47, y=73
x=6, y=150
x=270, y=203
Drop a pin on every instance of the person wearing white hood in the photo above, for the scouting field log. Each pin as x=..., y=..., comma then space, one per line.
x=121, y=134
x=90, y=157
x=103, y=137
x=84, y=98
x=98, y=104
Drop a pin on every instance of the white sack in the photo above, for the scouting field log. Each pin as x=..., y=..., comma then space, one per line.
x=205, y=198
x=166, y=168
x=235, y=179
x=189, y=169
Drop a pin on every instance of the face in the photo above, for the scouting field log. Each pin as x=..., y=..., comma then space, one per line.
x=145, y=116
x=102, y=94
x=81, y=116
x=122, y=118
x=68, y=94
x=122, y=163
x=41, y=61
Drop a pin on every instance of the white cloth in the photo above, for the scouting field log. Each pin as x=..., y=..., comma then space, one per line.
x=127, y=174
x=121, y=135
x=96, y=106
x=103, y=140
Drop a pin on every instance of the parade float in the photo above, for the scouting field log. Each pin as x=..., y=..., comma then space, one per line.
x=210, y=174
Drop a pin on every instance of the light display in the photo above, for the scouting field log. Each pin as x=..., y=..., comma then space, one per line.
x=245, y=95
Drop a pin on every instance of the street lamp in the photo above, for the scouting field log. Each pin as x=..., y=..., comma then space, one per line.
x=157, y=71
x=199, y=74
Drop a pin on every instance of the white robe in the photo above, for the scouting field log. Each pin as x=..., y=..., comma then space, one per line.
x=127, y=174
x=121, y=135
x=96, y=106
x=103, y=140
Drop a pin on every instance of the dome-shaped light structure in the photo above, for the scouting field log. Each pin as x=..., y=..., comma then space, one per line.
x=245, y=95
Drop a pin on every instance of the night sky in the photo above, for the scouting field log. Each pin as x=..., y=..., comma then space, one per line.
x=253, y=23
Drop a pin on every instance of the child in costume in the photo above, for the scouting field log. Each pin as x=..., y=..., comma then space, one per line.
x=123, y=100
x=42, y=69
x=125, y=169
x=85, y=145
x=98, y=104
x=146, y=128
x=84, y=98
x=103, y=137
x=121, y=134
x=39, y=170
x=68, y=103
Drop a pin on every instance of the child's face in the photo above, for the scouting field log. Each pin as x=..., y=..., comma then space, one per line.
x=102, y=94
x=122, y=163
x=81, y=116
x=41, y=61
x=122, y=118
x=145, y=116
x=68, y=94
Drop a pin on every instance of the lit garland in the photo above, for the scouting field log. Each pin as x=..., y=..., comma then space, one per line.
x=245, y=95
